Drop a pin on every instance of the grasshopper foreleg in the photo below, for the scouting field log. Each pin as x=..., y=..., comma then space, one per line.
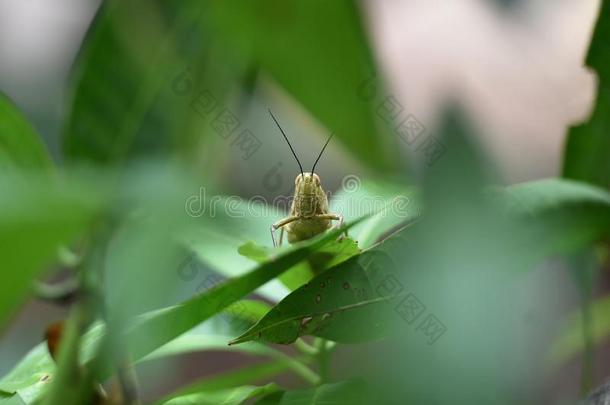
x=338, y=217
x=281, y=224
x=334, y=217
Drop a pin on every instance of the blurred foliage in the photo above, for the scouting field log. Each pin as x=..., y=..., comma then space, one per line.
x=317, y=51
x=21, y=147
x=445, y=272
x=587, y=151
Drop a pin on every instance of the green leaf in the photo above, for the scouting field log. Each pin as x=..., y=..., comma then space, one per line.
x=318, y=52
x=142, y=67
x=333, y=305
x=587, y=152
x=217, y=241
x=20, y=145
x=233, y=378
x=328, y=256
x=571, y=341
x=36, y=367
x=165, y=325
x=341, y=393
x=389, y=204
x=558, y=216
x=232, y=396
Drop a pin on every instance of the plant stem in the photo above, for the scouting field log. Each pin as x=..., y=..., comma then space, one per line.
x=305, y=347
x=584, y=268
x=298, y=367
x=324, y=359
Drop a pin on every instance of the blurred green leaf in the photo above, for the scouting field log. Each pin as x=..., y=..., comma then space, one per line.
x=571, y=341
x=558, y=216
x=319, y=53
x=231, y=396
x=587, y=152
x=31, y=375
x=351, y=392
x=234, y=378
x=20, y=145
x=12, y=400
x=457, y=290
x=37, y=216
x=390, y=205
x=233, y=223
x=37, y=365
x=141, y=69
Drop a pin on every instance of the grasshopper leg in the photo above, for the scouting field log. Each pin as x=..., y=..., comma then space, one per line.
x=281, y=224
x=334, y=217
x=340, y=224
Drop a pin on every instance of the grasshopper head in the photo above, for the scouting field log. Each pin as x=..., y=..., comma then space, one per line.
x=308, y=195
x=307, y=182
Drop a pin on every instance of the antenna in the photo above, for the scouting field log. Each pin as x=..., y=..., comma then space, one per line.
x=321, y=152
x=286, y=138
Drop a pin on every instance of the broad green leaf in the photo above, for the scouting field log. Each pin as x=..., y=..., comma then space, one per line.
x=196, y=342
x=333, y=305
x=20, y=145
x=351, y=392
x=330, y=255
x=231, y=396
x=234, y=378
x=36, y=367
x=138, y=84
x=318, y=52
x=558, y=216
x=232, y=223
x=587, y=151
x=165, y=325
x=11, y=400
x=248, y=310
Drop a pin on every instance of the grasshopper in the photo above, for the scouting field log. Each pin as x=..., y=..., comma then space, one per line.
x=309, y=212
